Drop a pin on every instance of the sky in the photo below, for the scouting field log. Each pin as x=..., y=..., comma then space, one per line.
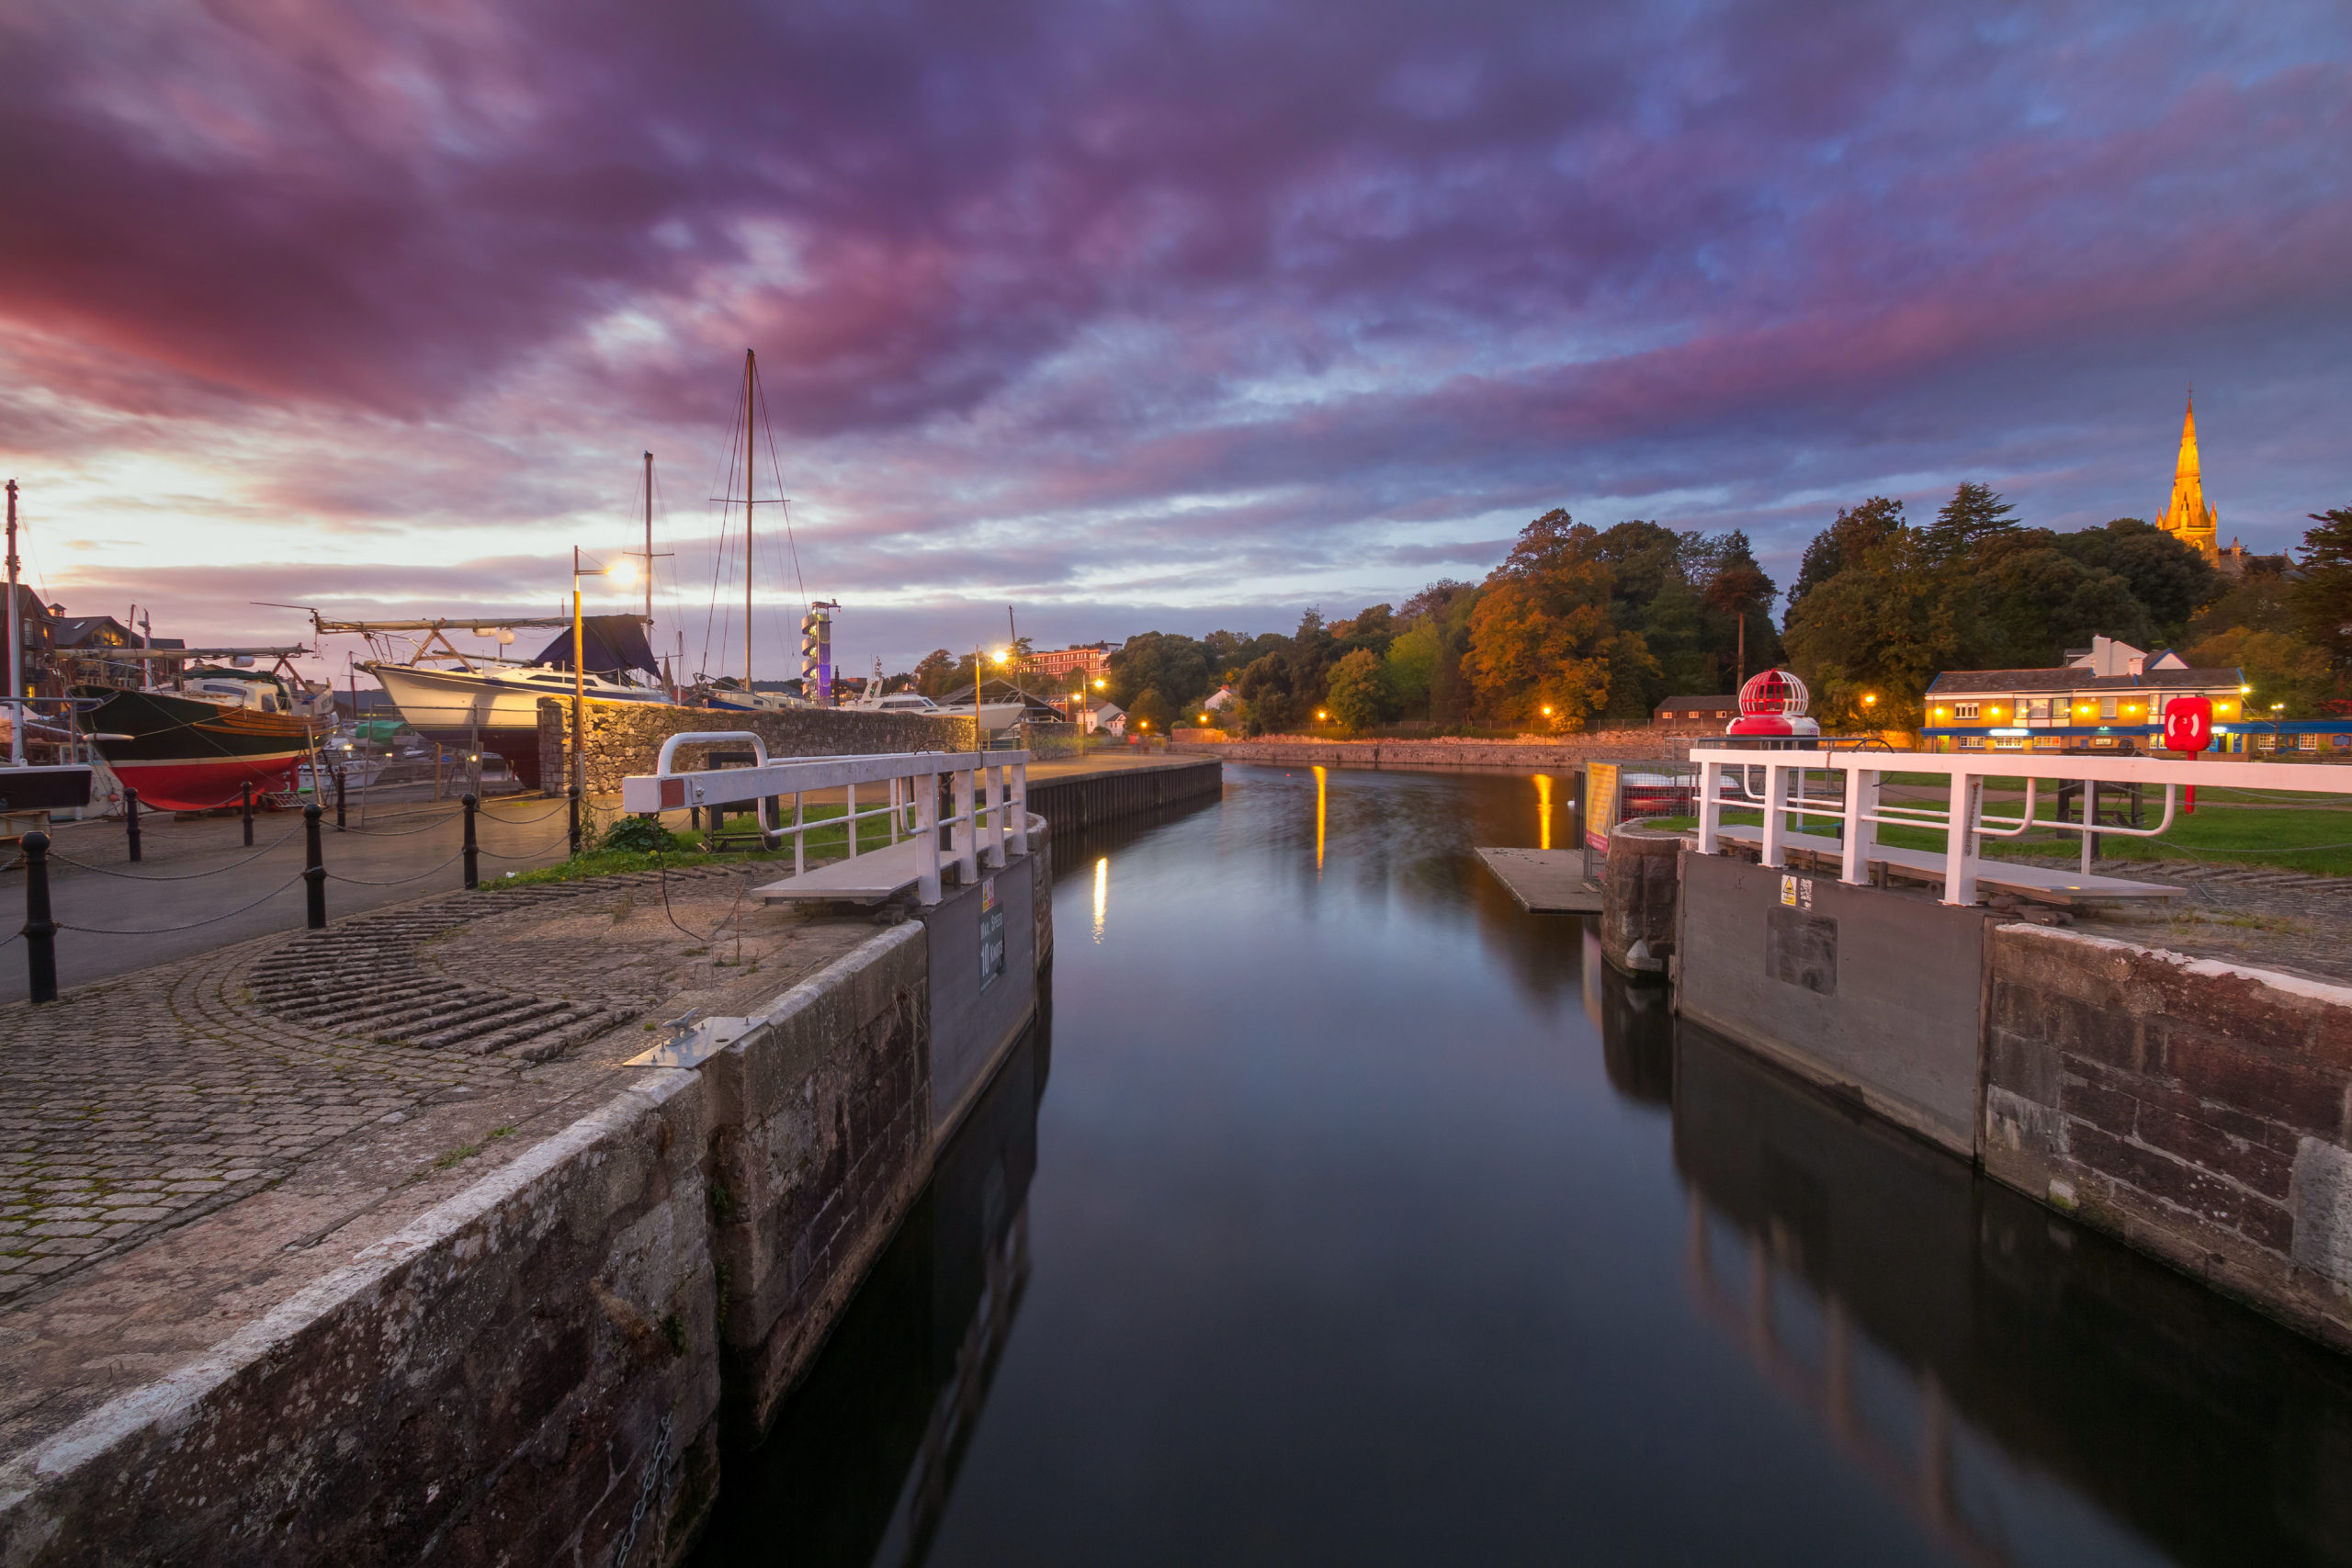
x=1128, y=316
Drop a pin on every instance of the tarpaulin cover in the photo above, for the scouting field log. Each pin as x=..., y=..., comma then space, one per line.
x=615, y=643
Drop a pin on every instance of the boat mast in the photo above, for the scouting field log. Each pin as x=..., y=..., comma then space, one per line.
x=649, y=541
x=15, y=644
x=749, y=388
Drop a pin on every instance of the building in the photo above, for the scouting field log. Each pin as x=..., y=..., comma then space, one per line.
x=1678, y=712
x=1092, y=660
x=2187, y=516
x=2108, y=695
x=1219, y=701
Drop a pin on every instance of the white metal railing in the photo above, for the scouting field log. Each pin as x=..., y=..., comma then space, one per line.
x=1861, y=812
x=987, y=811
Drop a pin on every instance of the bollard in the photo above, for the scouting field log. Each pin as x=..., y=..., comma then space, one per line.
x=338, y=800
x=130, y=818
x=314, y=867
x=474, y=864
x=40, y=931
x=575, y=821
x=249, y=813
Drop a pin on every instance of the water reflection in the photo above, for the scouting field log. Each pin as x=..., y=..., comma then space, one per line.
x=2028, y=1389
x=1375, y=1222
x=1102, y=896
x=863, y=1456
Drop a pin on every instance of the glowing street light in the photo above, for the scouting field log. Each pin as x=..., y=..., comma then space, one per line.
x=624, y=573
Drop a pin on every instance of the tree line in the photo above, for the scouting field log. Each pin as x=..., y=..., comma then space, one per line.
x=1578, y=628
x=1882, y=605
x=1584, y=628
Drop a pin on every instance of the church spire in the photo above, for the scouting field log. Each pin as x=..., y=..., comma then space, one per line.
x=2185, y=517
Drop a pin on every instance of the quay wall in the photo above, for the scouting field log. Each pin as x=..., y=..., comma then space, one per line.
x=1565, y=751
x=625, y=738
x=497, y=1382
x=487, y=1384
x=2200, y=1111
x=1093, y=799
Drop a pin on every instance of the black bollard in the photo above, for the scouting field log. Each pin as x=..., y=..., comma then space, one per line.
x=130, y=818
x=314, y=867
x=338, y=800
x=474, y=864
x=40, y=931
x=249, y=813
x=575, y=821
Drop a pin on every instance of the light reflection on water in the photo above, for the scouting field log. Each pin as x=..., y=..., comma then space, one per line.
x=1372, y=1222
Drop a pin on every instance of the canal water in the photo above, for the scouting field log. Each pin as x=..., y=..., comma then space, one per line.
x=1341, y=1212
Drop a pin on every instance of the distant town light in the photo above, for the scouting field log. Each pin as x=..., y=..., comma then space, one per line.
x=2246, y=690
x=1320, y=714
x=1547, y=710
x=1867, y=701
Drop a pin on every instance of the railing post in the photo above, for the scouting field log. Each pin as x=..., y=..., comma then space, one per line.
x=1711, y=805
x=2090, y=821
x=849, y=816
x=40, y=931
x=472, y=850
x=964, y=831
x=799, y=835
x=314, y=868
x=1960, y=841
x=249, y=813
x=927, y=824
x=573, y=792
x=992, y=786
x=339, y=779
x=1776, y=806
x=1017, y=777
x=130, y=818
x=1862, y=833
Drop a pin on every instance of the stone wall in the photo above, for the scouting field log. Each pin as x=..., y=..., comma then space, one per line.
x=486, y=1386
x=826, y=1139
x=2199, y=1111
x=494, y=1382
x=1565, y=751
x=625, y=739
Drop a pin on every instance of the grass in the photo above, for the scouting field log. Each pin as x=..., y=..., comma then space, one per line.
x=2238, y=827
x=693, y=849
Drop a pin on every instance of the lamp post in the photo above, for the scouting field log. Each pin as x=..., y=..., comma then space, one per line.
x=623, y=573
x=2277, y=711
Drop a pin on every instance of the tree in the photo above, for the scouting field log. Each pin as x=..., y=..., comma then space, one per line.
x=1883, y=628
x=1542, y=635
x=935, y=673
x=1412, y=666
x=1175, y=666
x=1736, y=598
x=1849, y=539
x=1268, y=703
x=2033, y=604
x=1973, y=518
x=2281, y=667
x=1373, y=627
x=2171, y=580
x=1358, y=690
x=1150, y=712
x=2322, y=595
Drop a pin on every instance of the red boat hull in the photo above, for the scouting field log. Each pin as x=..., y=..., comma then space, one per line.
x=191, y=784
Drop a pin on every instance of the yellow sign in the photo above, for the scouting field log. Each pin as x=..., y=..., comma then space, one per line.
x=1600, y=804
x=1789, y=891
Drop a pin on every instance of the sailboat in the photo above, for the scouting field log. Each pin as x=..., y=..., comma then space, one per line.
x=212, y=733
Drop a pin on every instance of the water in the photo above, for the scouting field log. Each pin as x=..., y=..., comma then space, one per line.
x=1341, y=1212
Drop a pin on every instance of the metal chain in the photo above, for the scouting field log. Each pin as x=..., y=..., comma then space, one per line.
x=653, y=1465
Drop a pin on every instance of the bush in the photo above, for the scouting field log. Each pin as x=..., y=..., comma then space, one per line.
x=645, y=835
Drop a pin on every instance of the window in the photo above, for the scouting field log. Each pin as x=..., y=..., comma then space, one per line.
x=1964, y=710
x=2107, y=707
x=2037, y=710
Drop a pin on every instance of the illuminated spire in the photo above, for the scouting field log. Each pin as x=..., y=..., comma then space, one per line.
x=2185, y=517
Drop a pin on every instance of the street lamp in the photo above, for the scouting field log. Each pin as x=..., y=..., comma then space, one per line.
x=2276, y=709
x=623, y=573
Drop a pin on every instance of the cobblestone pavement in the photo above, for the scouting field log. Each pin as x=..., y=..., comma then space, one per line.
x=2258, y=915
x=134, y=1105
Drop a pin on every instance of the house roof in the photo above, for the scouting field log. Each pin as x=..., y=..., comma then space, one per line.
x=73, y=631
x=1969, y=683
x=1718, y=703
